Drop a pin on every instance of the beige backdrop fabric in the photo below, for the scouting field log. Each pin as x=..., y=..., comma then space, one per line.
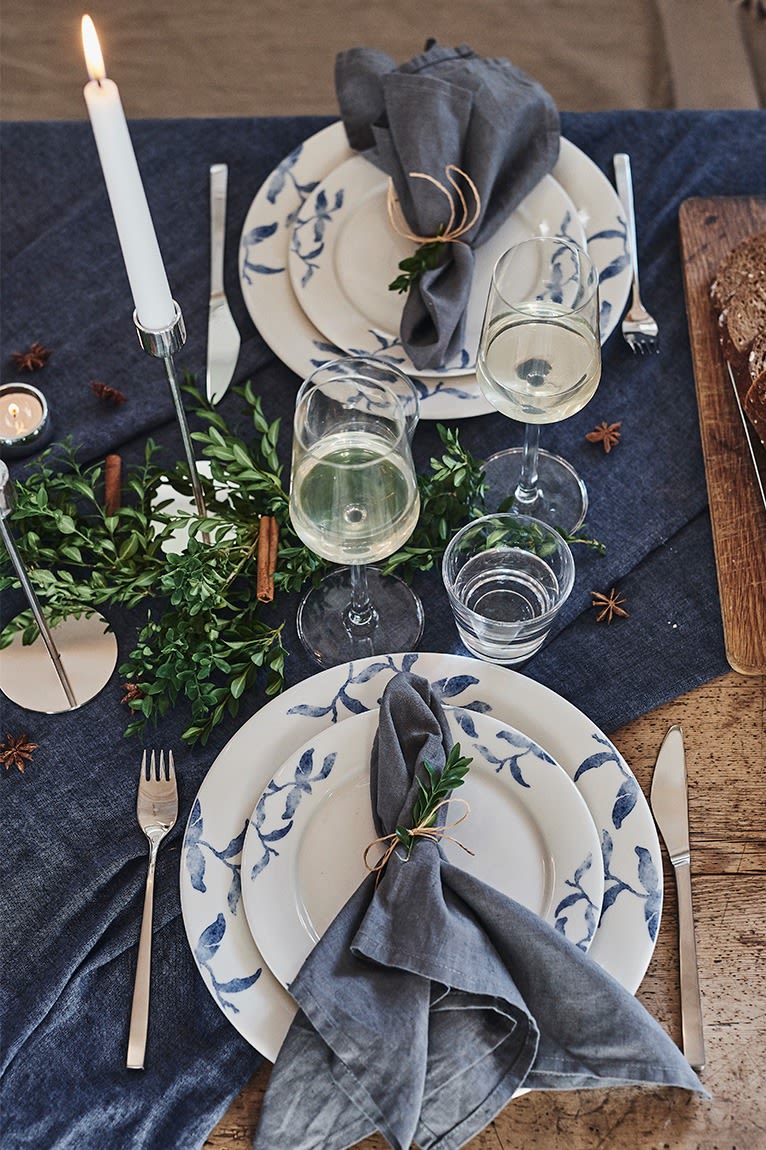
x=262, y=57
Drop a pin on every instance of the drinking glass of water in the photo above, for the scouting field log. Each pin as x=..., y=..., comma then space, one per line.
x=354, y=500
x=539, y=362
x=507, y=577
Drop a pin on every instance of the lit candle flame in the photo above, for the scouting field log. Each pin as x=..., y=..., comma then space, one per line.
x=13, y=411
x=94, y=59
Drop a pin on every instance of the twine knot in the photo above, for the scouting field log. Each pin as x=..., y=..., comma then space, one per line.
x=430, y=249
x=406, y=837
x=457, y=225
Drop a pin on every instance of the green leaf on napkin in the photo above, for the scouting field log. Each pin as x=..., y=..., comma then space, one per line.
x=425, y=258
x=432, y=795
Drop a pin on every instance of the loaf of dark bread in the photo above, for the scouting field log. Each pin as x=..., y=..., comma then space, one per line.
x=738, y=294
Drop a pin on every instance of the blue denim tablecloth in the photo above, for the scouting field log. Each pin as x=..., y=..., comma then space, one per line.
x=72, y=863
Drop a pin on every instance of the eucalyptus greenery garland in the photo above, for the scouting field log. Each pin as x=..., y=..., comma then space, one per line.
x=206, y=638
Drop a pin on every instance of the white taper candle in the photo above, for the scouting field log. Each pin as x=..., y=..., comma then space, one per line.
x=140, y=251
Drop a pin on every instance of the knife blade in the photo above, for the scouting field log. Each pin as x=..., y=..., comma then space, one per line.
x=222, y=334
x=670, y=807
x=754, y=446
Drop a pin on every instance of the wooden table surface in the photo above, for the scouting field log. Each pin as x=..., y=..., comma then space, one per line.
x=724, y=723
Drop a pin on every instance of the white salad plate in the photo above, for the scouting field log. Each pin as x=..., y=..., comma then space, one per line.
x=224, y=950
x=518, y=823
x=269, y=297
x=344, y=253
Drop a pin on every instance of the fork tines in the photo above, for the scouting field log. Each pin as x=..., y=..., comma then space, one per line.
x=642, y=343
x=157, y=770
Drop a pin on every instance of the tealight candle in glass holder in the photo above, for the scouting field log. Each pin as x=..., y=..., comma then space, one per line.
x=24, y=420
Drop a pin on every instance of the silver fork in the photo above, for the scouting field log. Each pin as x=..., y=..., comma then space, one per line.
x=638, y=327
x=157, y=811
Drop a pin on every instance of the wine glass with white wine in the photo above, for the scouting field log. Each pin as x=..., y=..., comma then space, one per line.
x=539, y=362
x=354, y=500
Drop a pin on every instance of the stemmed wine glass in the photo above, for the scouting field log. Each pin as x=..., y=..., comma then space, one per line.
x=354, y=500
x=539, y=362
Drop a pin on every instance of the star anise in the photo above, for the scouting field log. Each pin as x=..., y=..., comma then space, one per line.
x=16, y=751
x=31, y=360
x=106, y=392
x=606, y=433
x=609, y=605
x=132, y=692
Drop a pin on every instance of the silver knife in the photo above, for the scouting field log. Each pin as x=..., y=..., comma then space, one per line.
x=671, y=811
x=222, y=334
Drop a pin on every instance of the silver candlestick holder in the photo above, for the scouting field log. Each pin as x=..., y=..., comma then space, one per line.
x=162, y=344
x=67, y=664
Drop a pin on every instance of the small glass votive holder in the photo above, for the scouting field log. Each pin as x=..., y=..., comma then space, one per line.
x=507, y=577
x=25, y=424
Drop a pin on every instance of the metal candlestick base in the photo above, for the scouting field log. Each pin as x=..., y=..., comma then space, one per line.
x=161, y=344
x=66, y=665
x=86, y=652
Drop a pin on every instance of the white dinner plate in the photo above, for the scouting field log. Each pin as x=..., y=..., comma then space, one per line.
x=527, y=828
x=344, y=253
x=226, y=955
x=273, y=307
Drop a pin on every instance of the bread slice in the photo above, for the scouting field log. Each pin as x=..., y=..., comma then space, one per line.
x=738, y=294
x=747, y=261
x=743, y=317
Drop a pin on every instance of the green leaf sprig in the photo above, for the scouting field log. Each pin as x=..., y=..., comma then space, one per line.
x=424, y=259
x=432, y=794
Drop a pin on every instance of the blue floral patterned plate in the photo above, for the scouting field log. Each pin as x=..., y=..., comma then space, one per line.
x=267, y=233
x=344, y=253
x=526, y=831
x=226, y=955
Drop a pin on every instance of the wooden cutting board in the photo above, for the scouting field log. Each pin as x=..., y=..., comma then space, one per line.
x=709, y=229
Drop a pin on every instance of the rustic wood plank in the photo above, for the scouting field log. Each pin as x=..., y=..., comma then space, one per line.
x=709, y=229
x=724, y=723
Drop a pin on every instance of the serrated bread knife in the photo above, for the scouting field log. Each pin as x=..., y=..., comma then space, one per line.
x=671, y=811
x=222, y=335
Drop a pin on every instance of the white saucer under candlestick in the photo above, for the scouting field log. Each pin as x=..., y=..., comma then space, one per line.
x=65, y=665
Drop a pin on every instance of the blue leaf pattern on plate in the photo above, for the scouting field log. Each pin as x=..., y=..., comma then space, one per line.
x=453, y=686
x=272, y=827
x=648, y=877
x=431, y=390
x=343, y=698
x=206, y=950
x=510, y=761
x=315, y=226
x=650, y=880
x=618, y=263
x=582, y=902
x=230, y=856
x=282, y=177
x=625, y=801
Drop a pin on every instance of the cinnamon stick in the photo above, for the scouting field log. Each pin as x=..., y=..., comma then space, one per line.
x=112, y=483
x=266, y=562
x=273, y=548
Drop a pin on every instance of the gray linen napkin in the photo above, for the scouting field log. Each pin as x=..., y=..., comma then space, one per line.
x=432, y=998
x=447, y=106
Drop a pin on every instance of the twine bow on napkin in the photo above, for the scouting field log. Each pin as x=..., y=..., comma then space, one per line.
x=447, y=110
x=432, y=997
